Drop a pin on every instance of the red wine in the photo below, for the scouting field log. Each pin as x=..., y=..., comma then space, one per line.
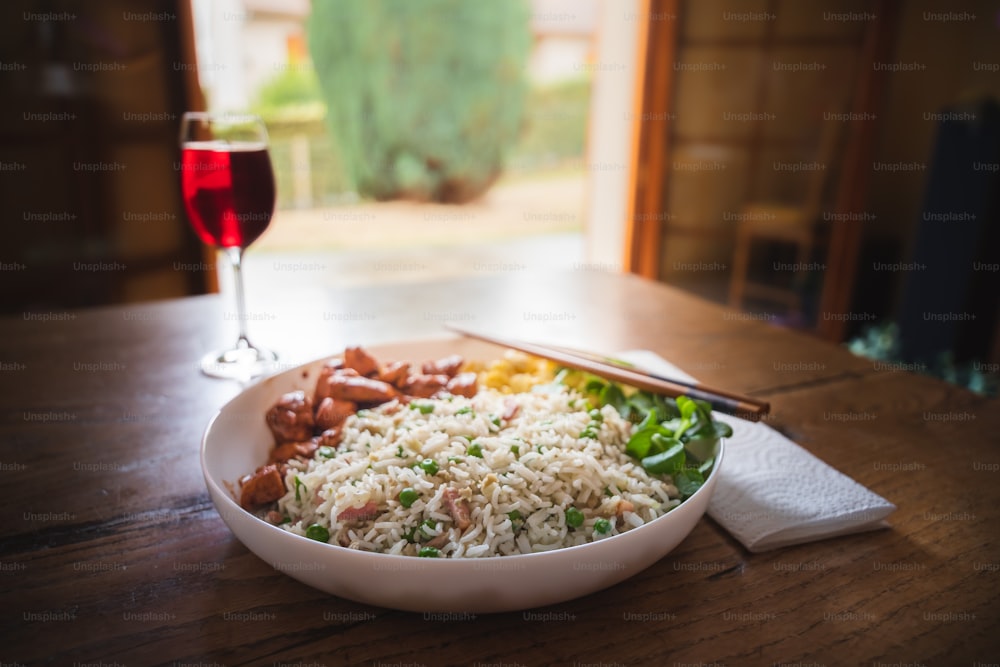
x=228, y=191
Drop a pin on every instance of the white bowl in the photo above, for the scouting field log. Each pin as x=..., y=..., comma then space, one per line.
x=237, y=441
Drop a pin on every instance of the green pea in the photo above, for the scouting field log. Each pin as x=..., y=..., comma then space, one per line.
x=602, y=526
x=424, y=408
x=515, y=449
x=475, y=449
x=429, y=466
x=429, y=552
x=463, y=411
x=596, y=415
x=318, y=533
x=574, y=517
x=514, y=515
x=407, y=497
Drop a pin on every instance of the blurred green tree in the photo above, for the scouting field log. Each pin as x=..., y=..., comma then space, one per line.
x=294, y=89
x=424, y=98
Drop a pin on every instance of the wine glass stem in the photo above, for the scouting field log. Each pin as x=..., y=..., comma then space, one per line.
x=236, y=260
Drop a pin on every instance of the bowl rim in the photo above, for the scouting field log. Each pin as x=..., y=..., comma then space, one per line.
x=216, y=490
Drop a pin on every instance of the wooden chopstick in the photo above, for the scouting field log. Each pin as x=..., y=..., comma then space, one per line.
x=723, y=401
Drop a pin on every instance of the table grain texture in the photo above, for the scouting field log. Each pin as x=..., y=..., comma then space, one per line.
x=112, y=553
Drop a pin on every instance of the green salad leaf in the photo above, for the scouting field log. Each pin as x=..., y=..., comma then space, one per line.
x=671, y=436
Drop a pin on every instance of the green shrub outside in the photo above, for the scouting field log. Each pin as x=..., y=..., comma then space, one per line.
x=424, y=98
x=555, y=128
x=292, y=92
x=551, y=137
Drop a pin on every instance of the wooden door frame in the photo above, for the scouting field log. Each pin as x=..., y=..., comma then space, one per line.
x=651, y=111
x=649, y=172
x=844, y=249
x=195, y=102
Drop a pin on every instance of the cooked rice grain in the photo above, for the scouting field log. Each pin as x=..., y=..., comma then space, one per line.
x=535, y=464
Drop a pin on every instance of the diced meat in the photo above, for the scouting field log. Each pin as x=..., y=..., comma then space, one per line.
x=261, y=488
x=624, y=506
x=293, y=450
x=510, y=409
x=464, y=384
x=360, y=389
x=618, y=518
x=457, y=507
x=367, y=511
x=395, y=373
x=328, y=369
x=330, y=437
x=359, y=359
x=448, y=366
x=274, y=517
x=331, y=413
x=424, y=386
x=439, y=541
x=291, y=418
x=323, y=382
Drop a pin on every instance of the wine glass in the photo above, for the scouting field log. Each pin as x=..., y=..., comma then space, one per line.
x=228, y=189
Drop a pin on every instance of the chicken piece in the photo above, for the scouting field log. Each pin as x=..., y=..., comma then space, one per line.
x=360, y=389
x=447, y=366
x=330, y=437
x=463, y=384
x=328, y=369
x=367, y=511
x=293, y=450
x=424, y=386
x=331, y=413
x=395, y=373
x=291, y=418
x=359, y=359
x=323, y=382
x=457, y=507
x=264, y=486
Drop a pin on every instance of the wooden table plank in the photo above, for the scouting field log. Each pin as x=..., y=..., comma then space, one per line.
x=112, y=552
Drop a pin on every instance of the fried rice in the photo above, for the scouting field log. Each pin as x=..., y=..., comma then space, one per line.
x=530, y=471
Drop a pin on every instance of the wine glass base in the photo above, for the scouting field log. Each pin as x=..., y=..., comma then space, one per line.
x=241, y=363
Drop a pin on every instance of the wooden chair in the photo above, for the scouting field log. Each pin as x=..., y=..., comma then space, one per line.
x=779, y=222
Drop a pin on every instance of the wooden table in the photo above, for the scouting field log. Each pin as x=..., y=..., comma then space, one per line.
x=113, y=554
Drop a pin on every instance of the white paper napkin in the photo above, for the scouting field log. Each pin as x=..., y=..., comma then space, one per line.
x=771, y=492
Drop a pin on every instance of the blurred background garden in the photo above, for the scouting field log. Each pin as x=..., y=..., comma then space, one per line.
x=396, y=138
x=430, y=140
